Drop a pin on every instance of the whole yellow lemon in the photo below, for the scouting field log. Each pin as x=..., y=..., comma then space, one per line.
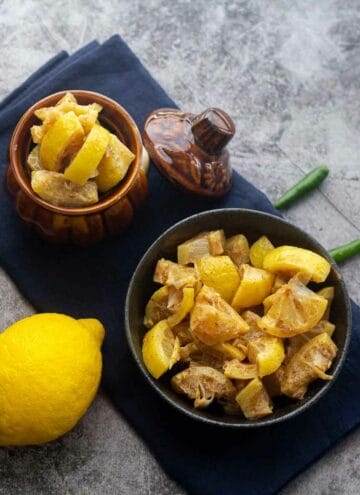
x=50, y=369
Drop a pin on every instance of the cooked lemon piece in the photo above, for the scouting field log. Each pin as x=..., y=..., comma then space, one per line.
x=258, y=250
x=184, y=308
x=237, y=370
x=213, y=320
x=114, y=164
x=309, y=363
x=279, y=281
x=292, y=260
x=156, y=309
x=293, y=309
x=237, y=247
x=172, y=274
x=220, y=273
x=203, y=384
x=255, y=285
x=267, y=353
x=254, y=400
x=33, y=159
x=204, y=244
x=296, y=342
x=88, y=115
x=158, y=349
x=83, y=166
x=329, y=294
x=55, y=189
x=90, y=118
x=231, y=351
x=62, y=136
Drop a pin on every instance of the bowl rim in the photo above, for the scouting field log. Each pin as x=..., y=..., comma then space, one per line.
x=247, y=424
x=22, y=179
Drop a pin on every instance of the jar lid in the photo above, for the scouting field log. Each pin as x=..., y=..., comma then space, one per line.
x=190, y=150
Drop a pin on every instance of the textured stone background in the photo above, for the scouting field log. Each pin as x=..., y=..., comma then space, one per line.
x=289, y=73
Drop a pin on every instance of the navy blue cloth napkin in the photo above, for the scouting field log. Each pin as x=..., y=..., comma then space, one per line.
x=93, y=282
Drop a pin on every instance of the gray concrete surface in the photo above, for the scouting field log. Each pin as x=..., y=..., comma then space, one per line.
x=289, y=73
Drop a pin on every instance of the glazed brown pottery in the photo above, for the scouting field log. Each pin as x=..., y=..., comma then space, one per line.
x=190, y=149
x=86, y=225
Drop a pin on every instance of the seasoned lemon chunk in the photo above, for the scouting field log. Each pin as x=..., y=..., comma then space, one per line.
x=204, y=244
x=88, y=115
x=279, y=281
x=61, y=138
x=220, y=273
x=156, y=308
x=231, y=351
x=254, y=400
x=237, y=247
x=183, y=332
x=83, y=166
x=309, y=363
x=33, y=159
x=255, y=285
x=293, y=309
x=202, y=384
x=55, y=189
x=296, y=342
x=258, y=250
x=114, y=164
x=273, y=382
x=291, y=260
x=213, y=320
x=184, y=308
x=237, y=370
x=328, y=293
x=158, y=349
x=171, y=274
x=267, y=353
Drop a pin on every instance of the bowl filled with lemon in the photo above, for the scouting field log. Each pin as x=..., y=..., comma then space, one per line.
x=238, y=318
x=77, y=167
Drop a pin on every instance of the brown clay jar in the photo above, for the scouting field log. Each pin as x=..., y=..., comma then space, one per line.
x=86, y=225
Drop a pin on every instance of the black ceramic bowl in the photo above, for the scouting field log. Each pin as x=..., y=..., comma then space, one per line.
x=253, y=224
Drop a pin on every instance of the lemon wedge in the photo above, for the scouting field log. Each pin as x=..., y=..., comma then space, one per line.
x=220, y=273
x=158, y=348
x=185, y=307
x=87, y=159
x=114, y=165
x=291, y=260
x=33, y=159
x=63, y=135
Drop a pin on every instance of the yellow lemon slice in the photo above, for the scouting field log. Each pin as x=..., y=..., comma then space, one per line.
x=158, y=348
x=87, y=159
x=62, y=136
x=292, y=260
x=114, y=165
